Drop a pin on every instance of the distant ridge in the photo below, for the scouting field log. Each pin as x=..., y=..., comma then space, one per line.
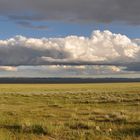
x=66, y=80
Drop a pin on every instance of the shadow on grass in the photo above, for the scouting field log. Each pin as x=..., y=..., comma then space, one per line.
x=128, y=132
x=79, y=125
x=15, y=127
x=35, y=129
x=109, y=120
x=117, y=121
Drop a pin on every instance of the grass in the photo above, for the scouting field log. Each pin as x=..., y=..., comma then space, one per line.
x=70, y=111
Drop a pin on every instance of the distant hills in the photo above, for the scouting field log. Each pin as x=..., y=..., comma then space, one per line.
x=67, y=80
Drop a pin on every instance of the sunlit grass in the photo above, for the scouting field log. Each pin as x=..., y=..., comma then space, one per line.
x=70, y=111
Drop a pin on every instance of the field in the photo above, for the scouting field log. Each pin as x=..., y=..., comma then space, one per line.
x=70, y=111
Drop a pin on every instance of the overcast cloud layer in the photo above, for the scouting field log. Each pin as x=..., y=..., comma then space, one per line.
x=102, y=48
x=101, y=11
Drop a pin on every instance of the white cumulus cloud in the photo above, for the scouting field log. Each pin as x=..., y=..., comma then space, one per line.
x=8, y=68
x=101, y=48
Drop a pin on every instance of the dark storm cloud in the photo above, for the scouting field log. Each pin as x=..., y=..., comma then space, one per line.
x=102, y=11
x=133, y=67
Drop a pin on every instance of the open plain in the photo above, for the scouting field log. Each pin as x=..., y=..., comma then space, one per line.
x=70, y=111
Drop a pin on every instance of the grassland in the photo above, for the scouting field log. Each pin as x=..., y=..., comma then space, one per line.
x=70, y=111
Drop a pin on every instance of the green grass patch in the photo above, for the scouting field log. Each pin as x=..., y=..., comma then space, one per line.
x=70, y=111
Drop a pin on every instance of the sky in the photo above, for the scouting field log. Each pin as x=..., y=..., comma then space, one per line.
x=70, y=38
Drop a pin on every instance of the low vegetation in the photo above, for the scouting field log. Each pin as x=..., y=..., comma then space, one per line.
x=70, y=111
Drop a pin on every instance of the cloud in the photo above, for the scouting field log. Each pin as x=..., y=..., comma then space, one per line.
x=61, y=71
x=30, y=25
x=8, y=68
x=79, y=70
x=137, y=41
x=101, y=11
x=102, y=48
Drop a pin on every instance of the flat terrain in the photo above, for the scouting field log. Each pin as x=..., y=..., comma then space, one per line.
x=70, y=111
